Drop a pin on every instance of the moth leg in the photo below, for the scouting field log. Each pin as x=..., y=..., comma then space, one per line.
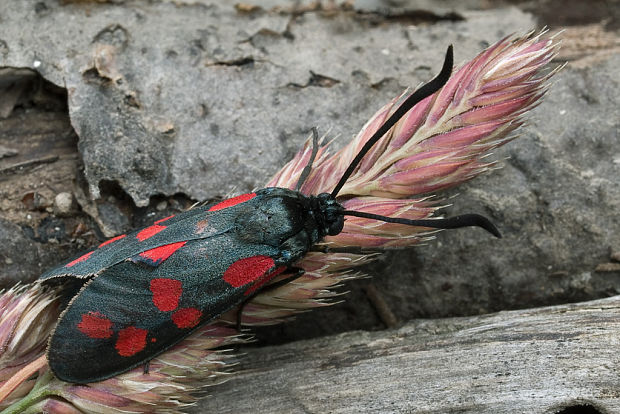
x=321, y=248
x=298, y=273
x=146, y=367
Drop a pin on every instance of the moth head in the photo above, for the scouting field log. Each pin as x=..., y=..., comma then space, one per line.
x=329, y=214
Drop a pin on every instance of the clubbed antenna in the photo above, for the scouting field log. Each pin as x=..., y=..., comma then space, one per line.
x=425, y=91
x=456, y=222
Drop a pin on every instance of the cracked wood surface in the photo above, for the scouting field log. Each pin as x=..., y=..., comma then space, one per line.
x=529, y=361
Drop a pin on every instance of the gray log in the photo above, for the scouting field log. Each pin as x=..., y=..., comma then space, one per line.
x=529, y=361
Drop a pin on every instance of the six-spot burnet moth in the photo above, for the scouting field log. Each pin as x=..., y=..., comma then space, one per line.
x=145, y=291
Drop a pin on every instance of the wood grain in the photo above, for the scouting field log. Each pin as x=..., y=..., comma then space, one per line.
x=529, y=361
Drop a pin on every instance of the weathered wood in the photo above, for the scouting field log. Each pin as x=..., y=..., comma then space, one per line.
x=529, y=361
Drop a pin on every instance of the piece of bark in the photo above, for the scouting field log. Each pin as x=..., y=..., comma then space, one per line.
x=529, y=361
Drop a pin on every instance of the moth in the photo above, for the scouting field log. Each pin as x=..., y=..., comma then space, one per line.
x=141, y=293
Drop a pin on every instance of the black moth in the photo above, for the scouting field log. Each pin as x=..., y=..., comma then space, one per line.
x=143, y=292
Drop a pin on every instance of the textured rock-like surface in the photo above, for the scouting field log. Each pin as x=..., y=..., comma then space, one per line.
x=203, y=99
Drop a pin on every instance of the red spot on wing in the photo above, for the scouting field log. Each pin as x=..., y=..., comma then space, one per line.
x=233, y=201
x=161, y=253
x=79, y=259
x=149, y=232
x=247, y=270
x=130, y=341
x=263, y=280
x=166, y=293
x=164, y=219
x=112, y=240
x=186, y=317
x=95, y=325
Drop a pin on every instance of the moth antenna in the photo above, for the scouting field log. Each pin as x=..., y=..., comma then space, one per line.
x=465, y=220
x=425, y=91
x=306, y=171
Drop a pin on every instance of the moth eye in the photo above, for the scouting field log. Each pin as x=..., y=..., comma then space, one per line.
x=336, y=227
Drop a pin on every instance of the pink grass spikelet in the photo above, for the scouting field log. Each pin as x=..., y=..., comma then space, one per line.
x=441, y=142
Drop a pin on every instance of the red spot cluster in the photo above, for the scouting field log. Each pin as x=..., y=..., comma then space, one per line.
x=95, y=325
x=142, y=235
x=79, y=259
x=166, y=296
x=161, y=253
x=233, y=201
x=247, y=270
x=131, y=340
x=166, y=293
x=112, y=240
x=149, y=232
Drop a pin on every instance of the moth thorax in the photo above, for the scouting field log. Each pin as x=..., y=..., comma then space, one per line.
x=271, y=222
